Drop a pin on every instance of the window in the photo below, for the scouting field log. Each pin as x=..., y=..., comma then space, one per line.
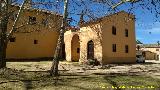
x=78, y=50
x=13, y=39
x=126, y=32
x=126, y=48
x=113, y=47
x=32, y=20
x=35, y=41
x=113, y=30
x=157, y=49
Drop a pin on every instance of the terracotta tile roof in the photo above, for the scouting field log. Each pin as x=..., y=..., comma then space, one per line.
x=101, y=18
x=36, y=9
x=73, y=28
x=151, y=45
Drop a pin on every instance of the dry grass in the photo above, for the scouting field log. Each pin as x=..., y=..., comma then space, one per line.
x=23, y=77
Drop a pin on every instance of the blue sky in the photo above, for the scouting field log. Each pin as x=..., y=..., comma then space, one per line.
x=147, y=25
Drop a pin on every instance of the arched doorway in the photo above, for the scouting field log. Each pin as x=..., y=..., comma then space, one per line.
x=75, y=48
x=90, y=50
x=63, y=54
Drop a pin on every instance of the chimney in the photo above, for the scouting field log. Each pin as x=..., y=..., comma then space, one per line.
x=28, y=4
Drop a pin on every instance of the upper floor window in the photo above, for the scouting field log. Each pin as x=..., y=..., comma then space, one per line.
x=126, y=49
x=13, y=39
x=114, y=48
x=32, y=20
x=35, y=41
x=113, y=30
x=126, y=32
x=157, y=49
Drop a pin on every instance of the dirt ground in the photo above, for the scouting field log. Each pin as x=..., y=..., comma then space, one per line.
x=35, y=75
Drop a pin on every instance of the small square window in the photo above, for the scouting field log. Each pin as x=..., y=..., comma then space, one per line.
x=35, y=41
x=13, y=39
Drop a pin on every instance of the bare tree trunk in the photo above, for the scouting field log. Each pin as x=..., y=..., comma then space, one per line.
x=3, y=30
x=54, y=68
x=16, y=21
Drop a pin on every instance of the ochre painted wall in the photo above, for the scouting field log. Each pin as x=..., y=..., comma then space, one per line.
x=46, y=35
x=85, y=35
x=150, y=55
x=75, y=44
x=24, y=46
x=67, y=40
x=90, y=33
x=121, y=21
x=152, y=49
x=100, y=32
x=155, y=50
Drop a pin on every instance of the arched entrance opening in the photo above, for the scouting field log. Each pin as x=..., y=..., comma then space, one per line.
x=90, y=50
x=75, y=48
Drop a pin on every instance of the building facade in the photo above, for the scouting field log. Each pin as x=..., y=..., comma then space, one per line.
x=154, y=50
x=36, y=35
x=110, y=39
x=150, y=55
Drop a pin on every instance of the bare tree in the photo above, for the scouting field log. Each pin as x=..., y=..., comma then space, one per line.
x=5, y=14
x=54, y=68
x=4, y=38
x=158, y=43
x=74, y=8
x=110, y=6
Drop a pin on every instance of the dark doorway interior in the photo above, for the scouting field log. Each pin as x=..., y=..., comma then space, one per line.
x=90, y=50
x=63, y=54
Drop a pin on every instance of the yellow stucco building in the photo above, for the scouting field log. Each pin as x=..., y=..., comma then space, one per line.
x=36, y=35
x=152, y=51
x=110, y=39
